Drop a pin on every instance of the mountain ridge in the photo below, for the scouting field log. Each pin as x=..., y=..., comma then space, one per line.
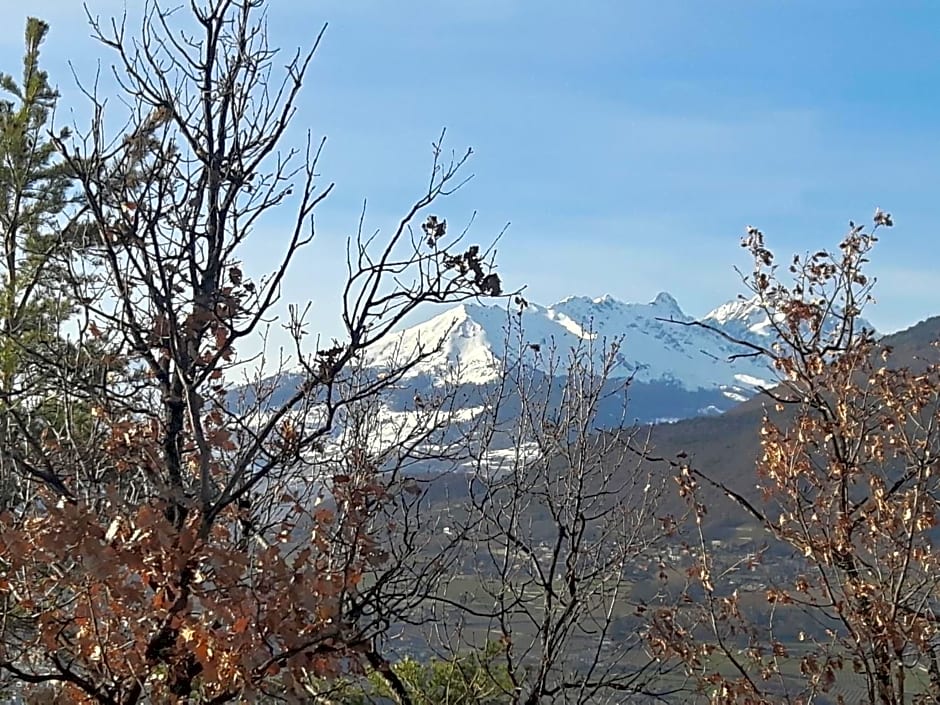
x=657, y=344
x=675, y=370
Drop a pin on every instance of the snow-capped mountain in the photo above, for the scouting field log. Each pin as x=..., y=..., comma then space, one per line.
x=678, y=370
x=655, y=348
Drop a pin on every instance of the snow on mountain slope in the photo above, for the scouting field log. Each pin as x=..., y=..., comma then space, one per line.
x=469, y=337
x=680, y=371
x=742, y=317
x=745, y=319
x=474, y=338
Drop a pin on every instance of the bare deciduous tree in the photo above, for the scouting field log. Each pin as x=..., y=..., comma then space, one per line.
x=165, y=567
x=560, y=526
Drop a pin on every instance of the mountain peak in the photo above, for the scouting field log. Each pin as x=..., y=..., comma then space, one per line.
x=739, y=308
x=665, y=300
x=748, y=314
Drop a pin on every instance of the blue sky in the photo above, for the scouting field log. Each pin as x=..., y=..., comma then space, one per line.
x=628, y=143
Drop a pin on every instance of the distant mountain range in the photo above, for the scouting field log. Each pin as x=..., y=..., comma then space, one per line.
x=679, y=371
x=656, y=347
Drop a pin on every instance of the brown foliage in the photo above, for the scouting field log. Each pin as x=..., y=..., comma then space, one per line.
x=848, y=476
x=188, y=538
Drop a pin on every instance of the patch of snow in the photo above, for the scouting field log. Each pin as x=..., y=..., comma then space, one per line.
x=497, y=462
x=752, y=381
x=569, y=325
